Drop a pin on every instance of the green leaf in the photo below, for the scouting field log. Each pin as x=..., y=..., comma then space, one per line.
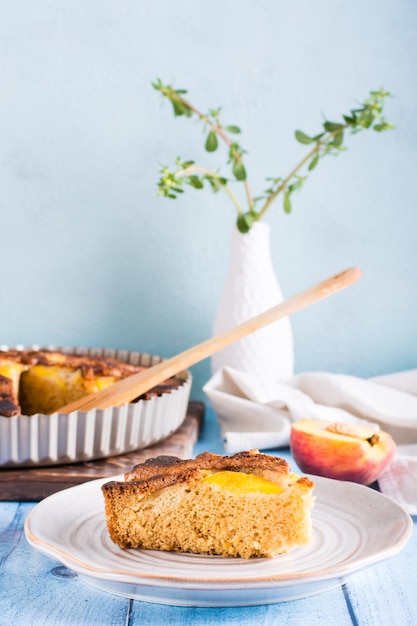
x=313, y=162
x=212, y=142
x=302, y=137
x=366, y=118
x=338, y=139
x=233, y=129
x=216, y=182
x=244, y=222
x=287, y=202
x=297, y=184
x=332, y=126
x=239, y=171
x=183, y=165
x=180, y=108
x=214, y=113
x=196, y=182
x=383, y=126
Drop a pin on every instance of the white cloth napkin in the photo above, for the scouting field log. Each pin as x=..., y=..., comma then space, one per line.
x=399, y=481
x=254, y=412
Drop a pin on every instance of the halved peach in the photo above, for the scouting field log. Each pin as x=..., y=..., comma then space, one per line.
x=354, y=452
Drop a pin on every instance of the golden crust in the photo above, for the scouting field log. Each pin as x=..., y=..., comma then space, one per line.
x=8, y=400
x=90, y=369
x=164, y=471
x=89, y=366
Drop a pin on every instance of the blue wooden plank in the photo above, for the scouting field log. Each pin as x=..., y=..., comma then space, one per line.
x=37, y=591
x=386, y=594
x=34, y=590
x=328, y=609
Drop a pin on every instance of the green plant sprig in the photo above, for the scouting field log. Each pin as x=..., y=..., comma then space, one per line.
x=328, y=142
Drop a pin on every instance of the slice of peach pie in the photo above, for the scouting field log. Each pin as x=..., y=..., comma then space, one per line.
x=246, y=505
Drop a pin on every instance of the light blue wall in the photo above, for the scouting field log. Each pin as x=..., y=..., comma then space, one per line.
x=90, y=255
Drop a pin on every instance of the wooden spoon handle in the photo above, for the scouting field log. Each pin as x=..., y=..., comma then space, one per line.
x=128, y=389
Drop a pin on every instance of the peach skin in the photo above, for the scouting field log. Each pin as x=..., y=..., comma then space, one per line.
x=353, y=452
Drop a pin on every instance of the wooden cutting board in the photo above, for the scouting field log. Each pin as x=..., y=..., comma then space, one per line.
x=34, y=484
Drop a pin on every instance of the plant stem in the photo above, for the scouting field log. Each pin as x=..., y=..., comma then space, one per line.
x=329, y=142
x=197, y=168
x=219, y=131
x=283, y=185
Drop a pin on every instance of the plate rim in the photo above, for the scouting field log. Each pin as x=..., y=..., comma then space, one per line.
x=339, y=571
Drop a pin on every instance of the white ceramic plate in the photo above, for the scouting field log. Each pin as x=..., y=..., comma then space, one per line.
x=42, y=440
x=354, y=527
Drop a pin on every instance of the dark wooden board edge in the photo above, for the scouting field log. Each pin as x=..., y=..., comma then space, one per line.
x=34, y=484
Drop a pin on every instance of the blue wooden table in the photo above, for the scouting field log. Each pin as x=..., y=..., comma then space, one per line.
x=35, y=590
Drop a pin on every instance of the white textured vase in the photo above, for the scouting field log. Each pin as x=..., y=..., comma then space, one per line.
x=252, y=287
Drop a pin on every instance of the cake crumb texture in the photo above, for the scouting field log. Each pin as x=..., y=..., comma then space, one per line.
x=180, y=505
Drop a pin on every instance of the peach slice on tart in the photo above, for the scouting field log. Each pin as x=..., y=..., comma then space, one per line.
x=353, y=452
